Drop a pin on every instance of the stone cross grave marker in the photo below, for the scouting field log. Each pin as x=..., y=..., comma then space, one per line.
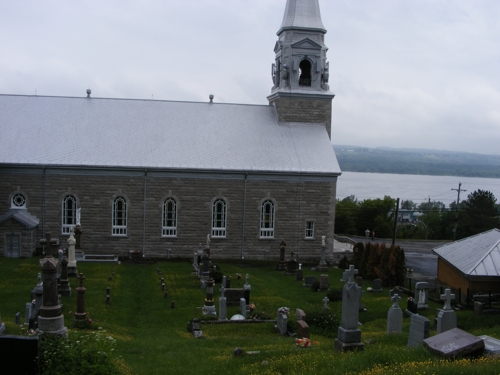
x=447, y=318
x=395, y=316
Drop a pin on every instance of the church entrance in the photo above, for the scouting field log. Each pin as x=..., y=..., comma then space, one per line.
x=12, y=245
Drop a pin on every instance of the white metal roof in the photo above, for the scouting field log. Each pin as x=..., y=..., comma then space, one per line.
x=158, y=134
x=477, y=255
x=304, y=14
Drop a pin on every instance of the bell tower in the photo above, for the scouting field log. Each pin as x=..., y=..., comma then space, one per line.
x=300, y=72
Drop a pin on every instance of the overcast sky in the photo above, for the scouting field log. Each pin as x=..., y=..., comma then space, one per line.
x=406, y=73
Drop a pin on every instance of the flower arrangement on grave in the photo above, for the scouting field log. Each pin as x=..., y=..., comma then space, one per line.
x=252, y=307
x=304, y=342
x=284, y=310
x=260, y=316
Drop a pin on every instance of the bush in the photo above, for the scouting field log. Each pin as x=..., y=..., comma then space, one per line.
x=323, y=322
x=343, y=263
x=315, y=286
x=334, y=295
x=216, y=273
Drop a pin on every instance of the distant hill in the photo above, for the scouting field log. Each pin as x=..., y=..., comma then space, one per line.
x=417, y=161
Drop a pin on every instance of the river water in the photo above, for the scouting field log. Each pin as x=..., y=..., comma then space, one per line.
x=417, y=188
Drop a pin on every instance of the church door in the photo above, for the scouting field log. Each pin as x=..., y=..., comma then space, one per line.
x=12, y=246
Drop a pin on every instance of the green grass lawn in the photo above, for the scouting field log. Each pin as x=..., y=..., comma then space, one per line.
x=142, y=334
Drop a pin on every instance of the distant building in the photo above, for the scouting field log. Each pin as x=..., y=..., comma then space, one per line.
x=158, y=176
x=471, y=263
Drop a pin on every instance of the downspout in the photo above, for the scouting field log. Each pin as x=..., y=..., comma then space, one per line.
x=244, y=217
x=144, y=213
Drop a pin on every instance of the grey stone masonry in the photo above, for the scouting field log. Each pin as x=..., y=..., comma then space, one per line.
x=419, y=330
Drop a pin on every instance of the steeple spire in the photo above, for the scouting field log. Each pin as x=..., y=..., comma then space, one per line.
x=301, y=72
x=302, y=14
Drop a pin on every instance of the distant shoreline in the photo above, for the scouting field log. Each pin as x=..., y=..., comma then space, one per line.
x=417, y=162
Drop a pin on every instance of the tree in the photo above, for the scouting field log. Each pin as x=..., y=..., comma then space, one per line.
x=345, y=213
x=480, y=213
x=377, y=215
x=408, y=205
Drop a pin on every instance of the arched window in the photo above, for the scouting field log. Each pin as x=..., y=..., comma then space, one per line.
x=305, y=73
x=18, y=201
x=169, y=218
x=119, y=224
x=68, y=214
x=219, y=218
x=267, y=220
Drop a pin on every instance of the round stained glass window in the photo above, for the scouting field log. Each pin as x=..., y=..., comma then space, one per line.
x=18, y=200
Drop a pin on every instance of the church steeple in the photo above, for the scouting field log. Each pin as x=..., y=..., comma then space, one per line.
x=300, y=72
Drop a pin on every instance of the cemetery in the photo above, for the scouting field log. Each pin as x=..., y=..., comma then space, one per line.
x=142, y=316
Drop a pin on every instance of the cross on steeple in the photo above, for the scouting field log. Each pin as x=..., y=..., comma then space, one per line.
x=447, y=297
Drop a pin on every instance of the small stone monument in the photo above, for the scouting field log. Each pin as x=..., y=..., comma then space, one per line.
x=209, y=308
x=308, y=282
x=419, y=330
x=377, y=285
x=395, y=316
x=291, y=265
x=80, y=315
x=325, y=303
x=349, y=335
x=302, y=329
x=223, y=301
x=72, y=270
x=51, y=319
x=282, y=320
x=322, y=266
x=324, y=283
x=447, y=318
x=65, y=287
x=422, y=295
x=300, y=273
x=282, y=264
x=247, y=288
x=243, y=307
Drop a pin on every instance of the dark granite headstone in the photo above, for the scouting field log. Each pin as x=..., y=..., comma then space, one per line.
x=302, y=329
x=309, y=281
x=419, y=330
x=19, y=354
x=377, y=285
x=454, y=343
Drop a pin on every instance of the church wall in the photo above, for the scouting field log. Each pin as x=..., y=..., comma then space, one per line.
x=295, y=201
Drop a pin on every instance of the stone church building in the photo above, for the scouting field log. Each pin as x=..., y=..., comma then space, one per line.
x=158, y=176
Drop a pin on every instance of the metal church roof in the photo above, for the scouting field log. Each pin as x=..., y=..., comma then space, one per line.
x=477, y=255
x=302, y=14
x=71, y=131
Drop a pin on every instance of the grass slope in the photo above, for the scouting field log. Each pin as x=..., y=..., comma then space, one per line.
x=151, y=337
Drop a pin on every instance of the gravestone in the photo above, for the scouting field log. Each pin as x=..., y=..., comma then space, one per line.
x=51, y=319
x=80, y=315
x=323, y=283
x=422, y=295
x=325, y=303
x=300, y=273
x=291, y=265
x=447, y=318
x=282, y=322
x=302, y=329
x=322, y=266
x=359, y=281
x=478, y=308
x=377, y=285
x=27, y=314
x=247, y=288
x=72, y=270
x=300, y=314
x=349, y=335
x=411, y=307
x=282, y=264
x=233, y=295
x=222, y=301
x=195, y=326
x=65, y=287
x=395, y=316
x=491, y=345
x=361, y=292
x=209, y=307
x=394, y=291
x=19, y=354
x=419, y=330
x=243, y=307
x=308, y=282
x=2, y=326
x=454, y=343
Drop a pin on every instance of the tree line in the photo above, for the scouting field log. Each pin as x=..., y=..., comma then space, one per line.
x=477, y=214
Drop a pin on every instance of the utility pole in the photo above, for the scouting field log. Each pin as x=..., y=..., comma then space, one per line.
x=395, y=223
x=456, y=211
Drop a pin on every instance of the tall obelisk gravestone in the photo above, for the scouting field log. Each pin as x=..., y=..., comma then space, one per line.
x=349, y=335
x=51, y=319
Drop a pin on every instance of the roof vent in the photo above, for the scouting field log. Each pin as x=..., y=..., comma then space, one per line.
x=211, y=97
x=89, y=91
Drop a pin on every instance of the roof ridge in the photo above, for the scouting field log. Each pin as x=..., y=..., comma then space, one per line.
x=487, y=252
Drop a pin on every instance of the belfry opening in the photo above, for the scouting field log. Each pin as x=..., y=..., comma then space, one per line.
x=305, y=73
